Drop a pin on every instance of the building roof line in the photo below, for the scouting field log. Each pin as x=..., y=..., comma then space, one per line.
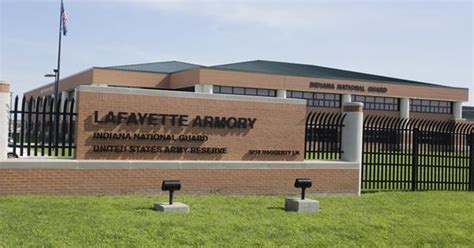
x=150, y=63
x=153, y=72
x=341, y=78
x=166, y=67
x=242, y=67
x=61, y=79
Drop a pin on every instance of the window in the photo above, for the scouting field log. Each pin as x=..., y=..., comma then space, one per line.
x=378, y=102
x=431, y=106
x=317, y=99
x=243, y=91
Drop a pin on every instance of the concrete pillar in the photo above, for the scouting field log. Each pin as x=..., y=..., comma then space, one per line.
x=345, y=98
x=281, y=93
x=4, y=112
x=404, y=108
x=352, y=134
x=457, y=110
x=203, y=88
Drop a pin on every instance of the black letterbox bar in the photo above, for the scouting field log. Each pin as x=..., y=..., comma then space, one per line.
x=171, y=186
x=303, y=183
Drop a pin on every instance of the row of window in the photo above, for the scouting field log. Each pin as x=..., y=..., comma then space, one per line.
x=378, y=102
x=317, y=99
x=431, y=106
x=244, y=91
x=328, y=100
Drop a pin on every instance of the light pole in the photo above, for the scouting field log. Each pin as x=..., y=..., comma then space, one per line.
x=50, y=75
x=56, y=107
x=56, y=88
x=10, y=121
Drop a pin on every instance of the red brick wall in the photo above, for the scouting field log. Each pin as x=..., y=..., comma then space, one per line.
x=279, y=126
x=195, y=181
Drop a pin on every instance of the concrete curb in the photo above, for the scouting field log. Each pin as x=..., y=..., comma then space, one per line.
x=147, y=164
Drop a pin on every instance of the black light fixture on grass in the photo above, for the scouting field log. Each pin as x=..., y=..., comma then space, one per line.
x=171, y=186
x=303, y=183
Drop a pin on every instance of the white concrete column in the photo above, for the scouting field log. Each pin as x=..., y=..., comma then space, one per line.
x=345, y=98
x=281, y=93
x=351, y=140
x=4, y=112
x=404, y=108
x=457, y=110
x=352, y=132
x=203, y=88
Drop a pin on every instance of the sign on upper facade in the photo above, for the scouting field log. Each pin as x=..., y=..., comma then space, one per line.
x=348, y=87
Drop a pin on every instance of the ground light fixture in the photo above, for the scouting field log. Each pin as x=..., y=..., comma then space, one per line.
x=302, y=205
x=171, y=186
x=303, y=183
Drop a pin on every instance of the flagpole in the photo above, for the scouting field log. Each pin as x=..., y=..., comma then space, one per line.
x=56, y=83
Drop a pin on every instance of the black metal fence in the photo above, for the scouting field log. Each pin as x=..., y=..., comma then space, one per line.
x=402, y=154
x=43, y=126
x=323, y=136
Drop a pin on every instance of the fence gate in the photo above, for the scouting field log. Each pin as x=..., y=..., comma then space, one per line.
x=402, y=154
x=42, y=126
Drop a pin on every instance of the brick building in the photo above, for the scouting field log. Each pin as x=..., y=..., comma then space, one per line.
x=325, y=89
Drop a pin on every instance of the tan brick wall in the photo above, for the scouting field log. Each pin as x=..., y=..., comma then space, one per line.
x=184, y=79
x=368, y=112
x=279, y=126
x=260, y=80
x=105, y=76
x=430, y=116
x=247, y=79
x=195, y=181
x=4, y=88
x=65, y=84
x=131, y=78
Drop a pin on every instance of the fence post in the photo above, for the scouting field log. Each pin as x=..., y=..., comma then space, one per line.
x=414, y=168
x=471, y=164
x=351, y=140
x=4, y=113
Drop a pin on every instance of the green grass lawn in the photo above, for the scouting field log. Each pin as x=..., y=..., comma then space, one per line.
x=444, y=219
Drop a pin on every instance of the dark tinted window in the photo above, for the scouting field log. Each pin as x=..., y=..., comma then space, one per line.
x=317, y=99
x=243, y=91
x=431, y=106
x=378, y=102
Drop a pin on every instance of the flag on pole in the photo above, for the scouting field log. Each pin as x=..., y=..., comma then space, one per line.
x=63, y=19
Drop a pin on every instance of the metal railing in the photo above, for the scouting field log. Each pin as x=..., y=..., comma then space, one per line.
x=323, y=132
x=416, y=154
x=46, y=127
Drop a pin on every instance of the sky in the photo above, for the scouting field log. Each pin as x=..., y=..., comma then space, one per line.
x=428, y=41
